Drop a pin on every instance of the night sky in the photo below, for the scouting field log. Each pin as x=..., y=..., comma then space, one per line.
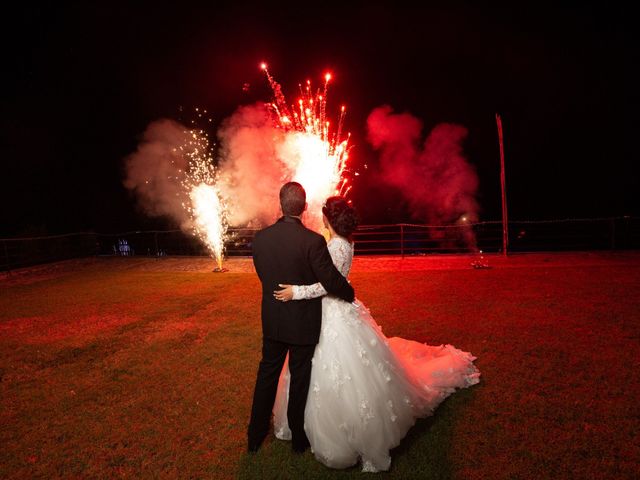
x=81, y=83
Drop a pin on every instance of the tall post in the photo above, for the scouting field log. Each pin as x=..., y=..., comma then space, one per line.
x=505, y=220
x=402, y=240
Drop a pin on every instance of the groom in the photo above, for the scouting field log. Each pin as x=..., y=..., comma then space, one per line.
x=287, y=252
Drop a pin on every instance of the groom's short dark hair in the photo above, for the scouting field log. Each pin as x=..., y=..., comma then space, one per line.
x=292, y=199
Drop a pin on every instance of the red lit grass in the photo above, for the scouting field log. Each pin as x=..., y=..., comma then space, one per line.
x=111, y=372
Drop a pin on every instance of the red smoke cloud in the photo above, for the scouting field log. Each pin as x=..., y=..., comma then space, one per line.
x=440, y=186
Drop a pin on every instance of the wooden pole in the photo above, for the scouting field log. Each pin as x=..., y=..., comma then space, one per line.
x=505, y=221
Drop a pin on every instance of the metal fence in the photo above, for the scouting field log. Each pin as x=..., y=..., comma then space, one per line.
x=613, y=233
x=397, y=239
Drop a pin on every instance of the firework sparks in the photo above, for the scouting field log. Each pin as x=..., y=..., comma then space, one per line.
x=208, y=216
x=316, y=156
x=206, y=208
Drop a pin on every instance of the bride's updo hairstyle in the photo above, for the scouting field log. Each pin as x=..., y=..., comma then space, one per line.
x=341, y=216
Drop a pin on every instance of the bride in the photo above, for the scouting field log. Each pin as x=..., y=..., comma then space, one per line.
x=366, y=389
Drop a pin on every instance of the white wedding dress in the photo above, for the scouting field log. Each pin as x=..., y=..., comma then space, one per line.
x=366, y=389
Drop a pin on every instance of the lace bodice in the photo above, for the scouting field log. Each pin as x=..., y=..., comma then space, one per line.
x=341, y=251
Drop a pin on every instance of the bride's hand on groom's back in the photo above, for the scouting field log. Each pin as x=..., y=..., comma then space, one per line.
x=285, y=294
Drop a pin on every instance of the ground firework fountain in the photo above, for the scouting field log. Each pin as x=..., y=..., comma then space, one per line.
x=206, y=208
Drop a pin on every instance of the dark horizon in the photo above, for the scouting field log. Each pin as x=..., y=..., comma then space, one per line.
x=83, y=82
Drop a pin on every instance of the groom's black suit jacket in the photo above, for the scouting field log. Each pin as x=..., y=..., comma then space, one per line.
x=289, y=253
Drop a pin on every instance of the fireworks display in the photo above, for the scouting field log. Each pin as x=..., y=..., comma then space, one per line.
x=206, y=208
x=309, y=151
x=175, y=172
x=209, y=220
x=316, y=156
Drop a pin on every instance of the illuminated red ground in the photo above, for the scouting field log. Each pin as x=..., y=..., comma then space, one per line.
x=135, y=367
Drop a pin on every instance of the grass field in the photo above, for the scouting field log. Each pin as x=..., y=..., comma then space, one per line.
x=113, y=369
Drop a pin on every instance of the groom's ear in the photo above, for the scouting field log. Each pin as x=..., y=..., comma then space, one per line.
x=305, y=207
